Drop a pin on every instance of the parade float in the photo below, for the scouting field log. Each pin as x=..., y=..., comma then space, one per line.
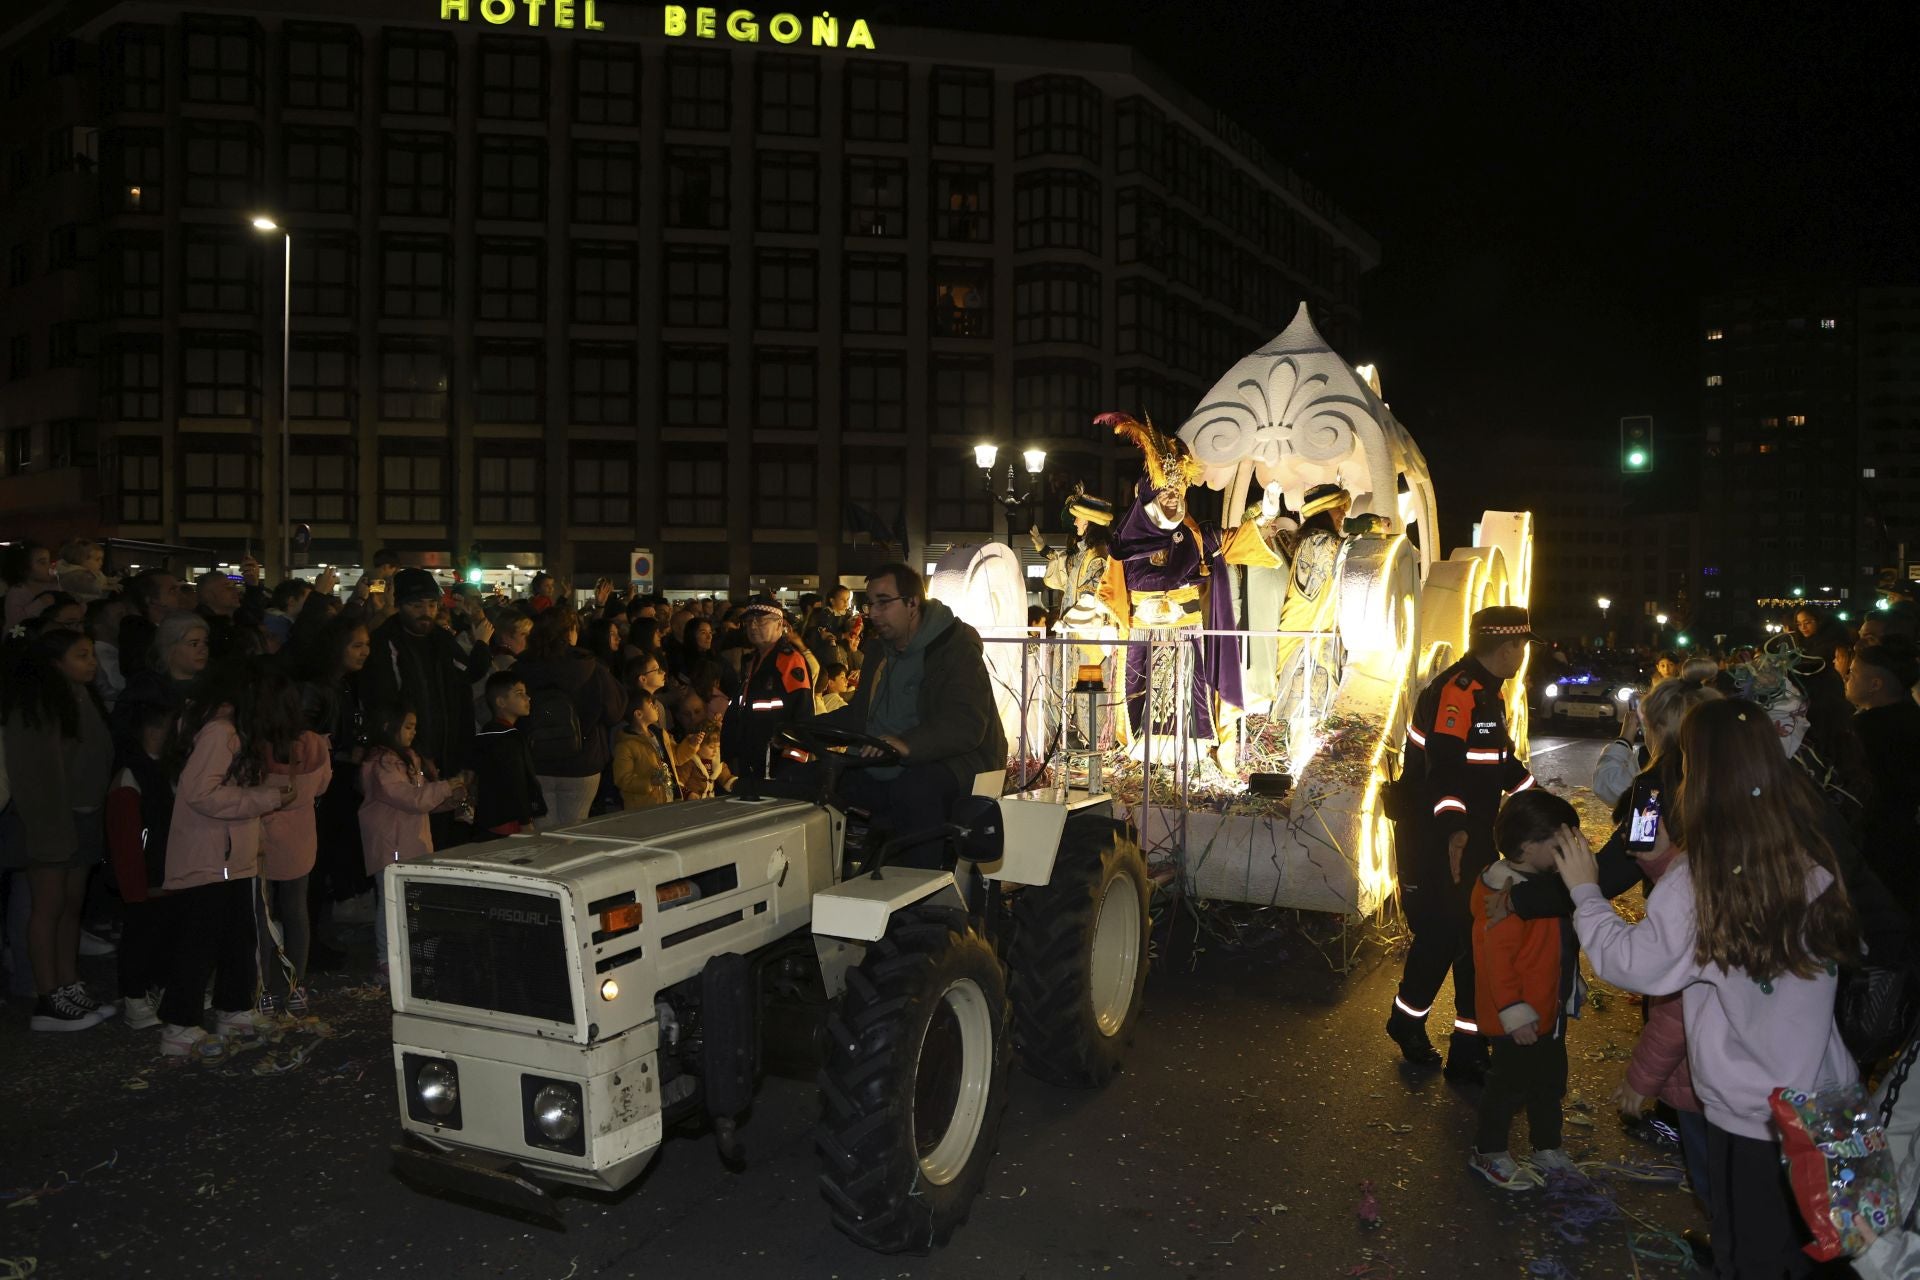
x=1277, y=801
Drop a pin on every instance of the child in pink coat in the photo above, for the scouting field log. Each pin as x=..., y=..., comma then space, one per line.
x=289, y=842
x=397, y=796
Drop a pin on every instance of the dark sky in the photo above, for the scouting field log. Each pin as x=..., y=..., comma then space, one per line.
x=1555, y=185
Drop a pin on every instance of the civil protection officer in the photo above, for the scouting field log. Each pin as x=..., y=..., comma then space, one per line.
x=1460, y=760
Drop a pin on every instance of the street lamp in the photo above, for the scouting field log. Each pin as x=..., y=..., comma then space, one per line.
x=1660, y=619
x=1010, y=500
x=1605, y=604
x=267, y=226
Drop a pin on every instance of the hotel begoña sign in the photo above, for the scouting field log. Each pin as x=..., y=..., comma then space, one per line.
x=742, y=26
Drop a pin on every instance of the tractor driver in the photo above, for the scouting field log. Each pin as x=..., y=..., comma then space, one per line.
x=924, y=691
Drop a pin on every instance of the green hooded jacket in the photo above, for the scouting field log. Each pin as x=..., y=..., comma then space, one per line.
x=935, y=696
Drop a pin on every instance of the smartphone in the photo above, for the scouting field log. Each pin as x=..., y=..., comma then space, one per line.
x=1643, y=816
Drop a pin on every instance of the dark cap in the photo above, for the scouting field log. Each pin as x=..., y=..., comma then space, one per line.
x=414, y=584
x=1503, y=622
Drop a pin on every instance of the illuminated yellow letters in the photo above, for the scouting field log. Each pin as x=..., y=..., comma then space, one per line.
x=454, y=9
x=703, y=23
x=497, y=12
x=826, y=30
x=741, y=26
x=676, y=20
x=859, y=37
x=563, y=13
x=533, y=12
x=785, y=28
x=593, y=20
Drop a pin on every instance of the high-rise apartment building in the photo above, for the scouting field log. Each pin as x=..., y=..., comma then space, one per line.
x=560, y=292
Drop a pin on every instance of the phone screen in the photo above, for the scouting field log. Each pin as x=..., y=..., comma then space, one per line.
x=1643, y=817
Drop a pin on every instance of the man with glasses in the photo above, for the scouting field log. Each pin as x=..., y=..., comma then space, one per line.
x=776, y=689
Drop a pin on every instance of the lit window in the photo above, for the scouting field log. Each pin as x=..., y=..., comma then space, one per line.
x=1766, y=448
x=1867, y=473
x=1829, y=323
x=1769, y=422
x=1796, y=419
x=1713, y=379
x=1714, y=335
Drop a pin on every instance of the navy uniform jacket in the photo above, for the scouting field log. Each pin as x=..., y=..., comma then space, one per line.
x=1458, y=741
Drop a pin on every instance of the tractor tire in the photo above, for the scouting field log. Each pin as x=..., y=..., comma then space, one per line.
x=915, y=1083
x=1078, y=957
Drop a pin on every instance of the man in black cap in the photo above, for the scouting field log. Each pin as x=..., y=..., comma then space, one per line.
x=1459, y=761
x=417, y=662
x=775, y=690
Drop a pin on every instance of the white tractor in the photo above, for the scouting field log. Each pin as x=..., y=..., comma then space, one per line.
x=562, y=1002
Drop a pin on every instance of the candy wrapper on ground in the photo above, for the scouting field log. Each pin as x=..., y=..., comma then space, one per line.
x=1840, y=1168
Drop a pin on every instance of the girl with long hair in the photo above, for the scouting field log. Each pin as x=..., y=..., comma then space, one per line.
x=393, y=816
x=59, y=755
x=1750, y=924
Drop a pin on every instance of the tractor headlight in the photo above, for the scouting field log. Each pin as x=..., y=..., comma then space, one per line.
x=438, y=1088
x=1553, y=691
x=553, y=1110
x=1624, y=696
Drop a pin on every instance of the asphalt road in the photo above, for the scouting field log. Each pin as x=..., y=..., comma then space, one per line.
x=1260, y=1096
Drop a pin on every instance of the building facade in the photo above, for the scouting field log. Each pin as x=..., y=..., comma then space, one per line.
x=1889, y=442
x=557, y=293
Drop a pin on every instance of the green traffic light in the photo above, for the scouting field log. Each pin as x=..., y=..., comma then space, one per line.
x=477, y=576
x=1638, y=458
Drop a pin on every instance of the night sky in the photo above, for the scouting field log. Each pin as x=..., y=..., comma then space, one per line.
x=1554, y=186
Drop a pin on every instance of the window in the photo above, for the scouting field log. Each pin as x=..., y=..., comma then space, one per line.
x=604, y=274
x=133, y=164
x=512, y=280
x=1713, y=380
x=786, y=287
x=323, y=170
x=877, y=101
x=601, y=385
x=1715, y=335
x=418, y=176
x=513, y=178
x=875, y=387
x=323, y=66
x=219, y=478
x=963, y=202
x=696, y=190
x=419, y=72
x=789, y=192
x=699, y=90
x=131, y=371
x=1141, y=319
x=415, y=272
x=507, y=382
x=222, y=60
x=1056, y=303
x=696, y=486
x=130, y=284
x=320, y=382
x=322, y=480
x=1056, y=115
x=513, y=80
x=876, y=294
x=19, y=355
x=19, y=449
x=219, y=375
x=696, y=286
x=1056, y=209
x=960, y=389
x=1869, y=473
x=1140, y=139
x=957, y=501
x=133, y=66
x=962, y=107
x=1796, y=419
x=787, y=95
x=222, y=165
x=508, y=478
x=413, y=481
x=221, y=271
x=962, y=298
x=70, y=344
x=606, y=181
x=326, y=274
x=1050, y=397
x=783, y=488
x=600, y=482
x=876, y=483
x=1829, y=323
x=413, y=380
x=138, y=483
x=784, y=387
x=606, y=83
x=876, y=196
x=694, y=380
x=1765, y=422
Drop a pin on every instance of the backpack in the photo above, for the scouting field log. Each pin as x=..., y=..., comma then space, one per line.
x=553, y=730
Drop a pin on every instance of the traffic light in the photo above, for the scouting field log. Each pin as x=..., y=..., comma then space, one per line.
x=1636, y=444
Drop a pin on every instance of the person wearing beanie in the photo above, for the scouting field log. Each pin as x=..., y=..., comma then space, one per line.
x=417, y=662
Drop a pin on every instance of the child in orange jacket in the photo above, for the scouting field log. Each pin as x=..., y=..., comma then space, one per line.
x=1527, y=979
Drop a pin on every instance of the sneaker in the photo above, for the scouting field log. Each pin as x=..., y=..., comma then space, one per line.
x=190, y=1042
x=84, y=994
x=142, y=1012
x=59, y=1012
x=1503, y=1171
x=269, y=1004
x=297, y=1002
x=92, y=944
x=1553, y=1161
x=244, y=1025
x=1410, y=1033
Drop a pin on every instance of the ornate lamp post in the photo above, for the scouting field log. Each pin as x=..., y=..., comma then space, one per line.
x=267, y=226
x=1010, y=499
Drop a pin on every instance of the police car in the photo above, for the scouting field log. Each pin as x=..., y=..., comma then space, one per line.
x=1586, y=694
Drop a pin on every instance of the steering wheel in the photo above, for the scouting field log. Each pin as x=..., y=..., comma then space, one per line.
x=840, y=746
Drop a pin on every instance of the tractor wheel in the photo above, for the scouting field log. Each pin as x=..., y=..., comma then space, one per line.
x=915, y=1083
x=1078, y=957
